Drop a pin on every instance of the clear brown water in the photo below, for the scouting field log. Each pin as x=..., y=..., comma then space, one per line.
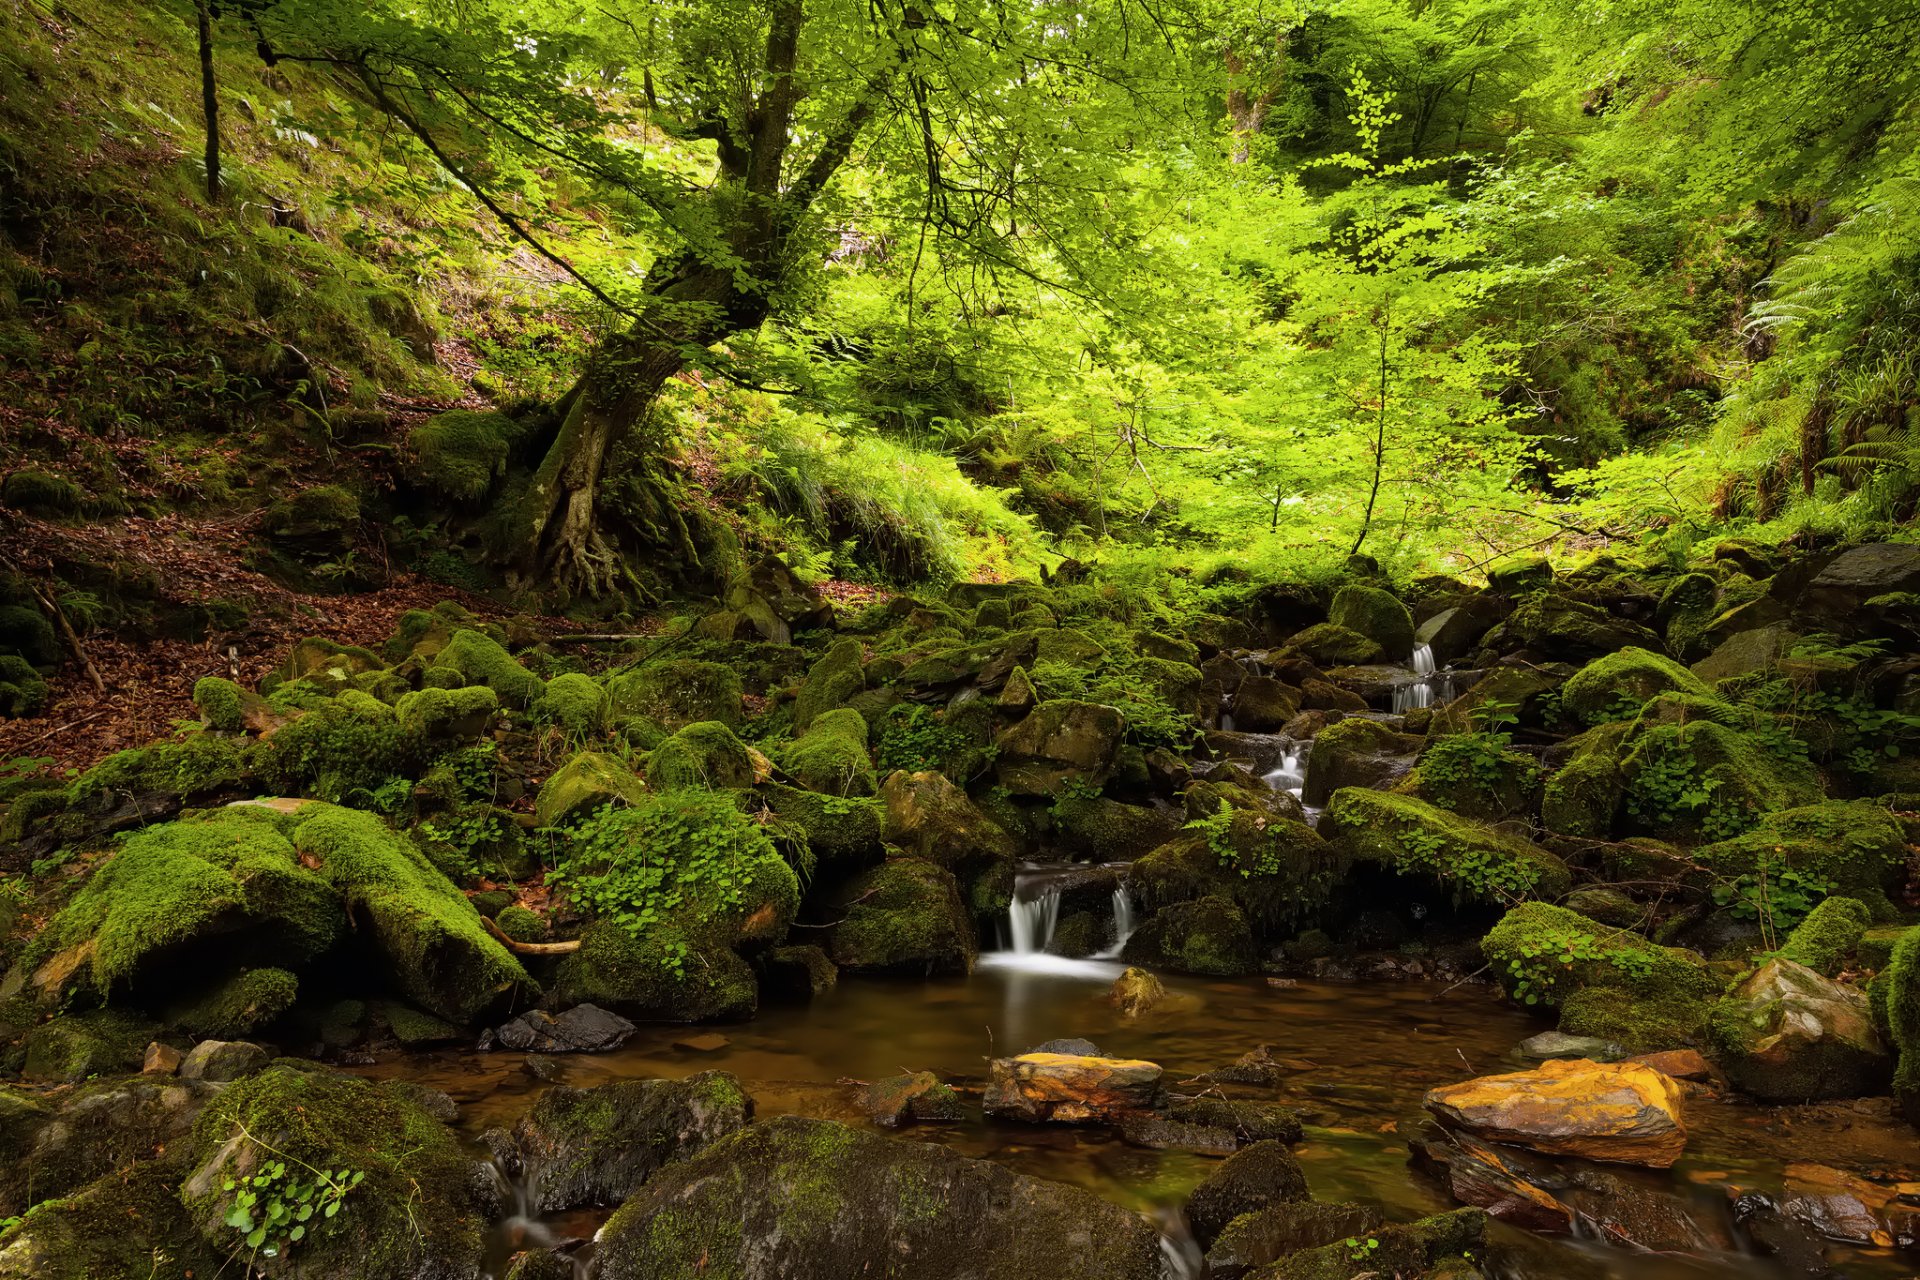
x=1364, y=1054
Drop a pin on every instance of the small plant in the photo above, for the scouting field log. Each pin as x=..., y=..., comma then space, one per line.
x=1359, y=1250
x=1775, y=897
x=274, y=1207
x=916, y=739
x=1669, y=787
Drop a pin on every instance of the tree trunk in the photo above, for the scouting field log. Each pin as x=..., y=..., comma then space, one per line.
x=1379, y=434
x=209, y=98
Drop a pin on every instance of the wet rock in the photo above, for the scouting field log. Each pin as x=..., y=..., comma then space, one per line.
x=903, y=916
x=1568, y=630
x=161, y=1060
x=1058, y=740
x=1621, y=1112
x=800, y=1199
x=918, y=1095
x=1263, y=704
x=929, y=817
x=222, y=1060
x=1834, y=599
x=585, y=1028
x=1324, y=695
x=1136, y=992
x=1254, y=1067
x=1357, y=753
x=1557, y=1044
x=1256, y=1239
x=1786, y=1034
x=540, y=1264
x=1682, y=1064
x=798, y=972
x=1774, y=1235
x=1637, y=1217
x=1072, y=1046
x=101, y=1127
x=1840, y=1206
x=581, y=1147
x=1333, y=645
x=1255, y=1177
x=777, y=602
x=543, y=1067
x=1209, y=936
x=1437, y=1248
x=1454, y=633
x=1061, y=1088
x=128, y=1225
x=1163, y=1133
x=1745, y=653
x=1248, y=1122
x=1491, y=1179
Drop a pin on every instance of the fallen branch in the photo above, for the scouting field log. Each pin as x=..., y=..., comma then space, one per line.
x=530, y=948
x=73, y=639
x=91, y=715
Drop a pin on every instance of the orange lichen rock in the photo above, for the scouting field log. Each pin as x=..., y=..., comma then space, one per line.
x=1625, y=1112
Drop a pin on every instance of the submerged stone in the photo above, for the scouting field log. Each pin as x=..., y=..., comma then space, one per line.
x=1069, y=1089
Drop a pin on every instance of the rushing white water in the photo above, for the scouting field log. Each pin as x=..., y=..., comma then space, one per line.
x=1030, y=922
x=1123, y=924
x=1291, y=775
x=1429, y=683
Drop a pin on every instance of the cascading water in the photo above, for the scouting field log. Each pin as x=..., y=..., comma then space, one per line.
x=1291, y=773
x=1428, y=683
x=1030, y=922
x=1123, y=924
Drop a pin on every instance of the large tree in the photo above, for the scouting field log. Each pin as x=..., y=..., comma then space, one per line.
x=989, y=137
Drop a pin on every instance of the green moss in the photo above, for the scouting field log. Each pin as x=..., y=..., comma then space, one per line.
x=1207, y=936
x=678, y=692
x=1332, y=645
x=1542, y=954
x=342, y=747
x=703, y=754
x=323, y=510
x=1701, y=776
x=423, y=633
x=436, y=951
x=219, y=702
x=1584, y=794
x=22, y=691
x=460, y=453
x=839, y=831
x=77, y=1046
x=521, y=924
x=1896, y=997
x=239, y=1006
x=668, y=974
x=40, y=493
x=1476, y=775
x=1377, y=615
x=830, y=683
x=1476, y=862
x=1273, y=869
x=446, y=714
x=197, y=765
x=417, y=1210
x=1637, y=1023
x=1855, y=847
x=1422, y=1248
x=832, y=757
x=126, y=1226
x=575, y=704
x=482, y=660
x=1616, y=686
x=1823, y=941
x=25, y=631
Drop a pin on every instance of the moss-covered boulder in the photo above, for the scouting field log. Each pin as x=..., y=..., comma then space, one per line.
x=1853, y=847
x=1262, y=704
x=831, y=681
x=802, y=1199
x=446, y=716
x=480, y=659
x=672, y=972
x=1784, y=1033
x=1258, y=1175
x=1616, y=686
x=238, y=1005
x=102, y=1126
x=1827, y=937
x=460, y=453
x=1477, y=775
x=1582, y=797
x=1058, y=741
x=926, y=815
x=73, y=1047
x=904, y=916
x=1688, y=778
x=416, y=1205
x=583, y=784
x=842, y=832
x=22, y=691
x=1208, y=936
x=831, y=755
x=1896, y=1006
x=41, y=493
x=1356, y=752
x=1546, y=955
x=1567, y=629
x=575, y=704
x=113, y=1229
x=1378, y=615
x=221, y=703
x=1447, y=1246
x=703, y=754
x=678, y=692
x=583, y=1147
x=1274, y=869
x=1106, y=830
x=1332, y=645
x=1477, y=863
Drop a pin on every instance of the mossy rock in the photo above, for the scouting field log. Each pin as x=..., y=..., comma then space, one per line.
x=1209, y=936
x=1476, y=776
x=1505, y=690
x=199, y=765
x=1569, y=630
x=325, y=516
x=1855, y=846
x=831, y=756
x=1378, y=615
x=1616, y=686
x=482, y=660
x=668, y=974
x=41, y=493
x=77, y=1046
x=1583, y=796
x=22, y=691
x=26, y=632
x=1106, y=830
x=1060, y=740
x=1477, y=863
x=806, y=1199
x=678, y=692
x=1070, y=647
x=1827, y=937
x=831, y=681
x=220, y=703
x=460, y=453
x=842, y=832
x=1332, y=645
x=1280, y=871
x=435, y=715
x=703, y=754
x=1542, y=954
x=117, y=1228
x=521, y=924
x=1896, y=998
x=904, y=916
x=238, y=1006
x=1670, y=761
x=926, y=815
x=423, y=633
x=417, y=1210
x=575, y=704
x=1638, y=1023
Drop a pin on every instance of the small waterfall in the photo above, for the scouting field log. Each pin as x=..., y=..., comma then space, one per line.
x=1290, y=775
x=1123, y=924
x=1428, y=683
x=1030, y=921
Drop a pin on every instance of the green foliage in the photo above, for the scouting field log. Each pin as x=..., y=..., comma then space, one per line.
x=1473, y=766
x=274, y=1207
x=914, y=737
x=1129, y=685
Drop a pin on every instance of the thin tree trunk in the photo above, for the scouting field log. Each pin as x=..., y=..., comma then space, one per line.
x=209, y=98
x=1379, y=432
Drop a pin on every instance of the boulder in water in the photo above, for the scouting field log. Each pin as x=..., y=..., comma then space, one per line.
x=585, y=1028
x=1621, y=1112
x=1357, y=753
x=1485, y=1176
x=1136, y=992
x=903, y=916
x=1375, y=614
x=801, y=1199
x=1064, y=1088
x=1787, y=1034
x=582, y=1147
x=917, y=1095
x=1432, y=1247
x=1253, y=1178
x=1209, y=936
x=1267, y=1235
